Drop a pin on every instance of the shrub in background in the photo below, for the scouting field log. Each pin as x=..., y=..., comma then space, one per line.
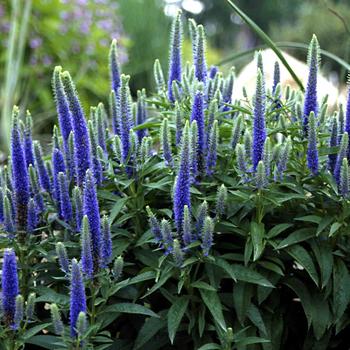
x=196, y=221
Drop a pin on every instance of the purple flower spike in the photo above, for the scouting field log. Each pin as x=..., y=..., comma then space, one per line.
x=77, y=297
x=32, y=216
x=44, y=178
x=114, y=67
x=27, y=140
x=64, y=115
x=87, y=263
x=175, y=55
x=19, y=173
x=198, y=115
x=81, y=135
x=200, y=66
x=106, y=251
x=259, y=128
x=312, y=152
x=58, y=167
x=64, y=201
x=9, y=283
x=91, y=209
x=310, y=102
x=182, y=195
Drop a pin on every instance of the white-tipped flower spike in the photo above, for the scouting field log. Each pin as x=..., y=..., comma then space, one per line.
x=236, y=131
x=178, y=254
x=82, y=324
x=165, y=141
x=30, y=307
x=221, y=201
x=56, y=320
x=241, y=160
x=192, y=26
x=344, y=179
x=178, y=123
x=283, y=157
x=200, y=66
x=62, y=257
x=118, y=267
x=260, y=177
x=207, y=235
x=187, y=227
x=212, y=149
x=310, y=102
x=167, y=235
x=159, y=77
x=175, y=55
x=267, y=158
x=342, y=153
x=19, y=312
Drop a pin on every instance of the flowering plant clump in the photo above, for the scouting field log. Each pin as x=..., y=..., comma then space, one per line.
x=184, y=219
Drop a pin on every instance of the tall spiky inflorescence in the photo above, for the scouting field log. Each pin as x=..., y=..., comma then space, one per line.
x=201, y=215
x=77, y=207
x=77, y=296
x=100, y=118
x=62, y=107
x=197, y=114
x=260, y=176
x=344, y=178
x=194, y=150
x=1, y=204
x=40, y=165
x=178, y=123
x=96, y=164
x=35, y=189
x=65, y=204
x=30, y=307
x=125, y=116
x=114, y=67
x=182, y=195
x=207, y=235
x=58, y=167
x=20, y=176
x=19, y=312
x=159, y=77
x=267, y=158
x=154, y=224
x=56, y=320
x=312, y=151
x=193, y=29
x=212, y=150
x=228, y=88
x=310, y=101
x=91, y=209
x=177, y=253
x=276, y=77
x=81, y=136
x=259, y=128
x=347, y=115
x=114, y=112
x=9, y=284
x=175, y=55
x=236, y=131
x=106, y=247
x=221, y=201
x=118, y=266
x=187, y=227
x=333, y=142
x=32, y=216
x=87, y=263
x=283, y=157
x=62, y=257
x=141, y=113
x=343, y=150
x=28, y=141
x=167, y=235
x=200, y=66
x=8, y=215
x=165, y=141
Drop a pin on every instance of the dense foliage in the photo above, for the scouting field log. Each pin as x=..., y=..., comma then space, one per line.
x=185, y=218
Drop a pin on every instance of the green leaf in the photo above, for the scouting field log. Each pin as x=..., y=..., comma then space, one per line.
x=257, y=232
x=117, y=207
x=243, y=273
x=130, y=308
x=212, y=301
x=44, y=341
x=297, y=236
x=175, y=315
x=309, y=218
x=341, y=288
x=252, y=340
x=276, y=230
x=210, y=346
x=254, y=315
x=303, y=258
x=35, y=330
x=203, y=285
x=149, y=329
x=324, y=257
x=302, y=292
x=334, y=228
x=241, y=300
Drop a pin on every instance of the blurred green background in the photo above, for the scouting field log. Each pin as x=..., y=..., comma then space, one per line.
x=36, y=35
